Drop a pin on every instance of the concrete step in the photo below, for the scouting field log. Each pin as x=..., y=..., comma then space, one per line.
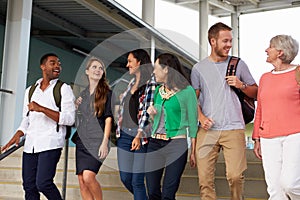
x=11, y=175
x=255, y=186
x=11, y=185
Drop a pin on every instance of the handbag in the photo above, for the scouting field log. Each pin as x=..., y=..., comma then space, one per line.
x=247, y=103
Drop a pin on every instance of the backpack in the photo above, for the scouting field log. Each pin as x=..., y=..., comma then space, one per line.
x=57, y=98
x=247, y=103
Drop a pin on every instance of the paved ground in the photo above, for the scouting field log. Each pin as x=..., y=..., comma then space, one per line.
x=122, y=194
x=116, y=195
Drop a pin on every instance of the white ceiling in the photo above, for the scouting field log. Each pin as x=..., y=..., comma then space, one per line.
x=222, y=8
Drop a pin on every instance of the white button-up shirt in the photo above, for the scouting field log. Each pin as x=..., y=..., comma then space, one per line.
x=40, y=131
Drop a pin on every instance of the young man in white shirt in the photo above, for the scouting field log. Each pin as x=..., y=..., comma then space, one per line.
x=44, y=126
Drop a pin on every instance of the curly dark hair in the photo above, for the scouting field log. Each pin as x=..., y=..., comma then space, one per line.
x=44, y=58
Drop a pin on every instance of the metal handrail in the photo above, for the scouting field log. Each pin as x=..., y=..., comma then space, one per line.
x=65, y=172
x=6, y=91
x=12, y=149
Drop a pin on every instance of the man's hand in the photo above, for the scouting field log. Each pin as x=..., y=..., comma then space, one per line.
x=54, y=115
x=14, y=140
x=33, y=106
x=234, y=81
x=206, y=123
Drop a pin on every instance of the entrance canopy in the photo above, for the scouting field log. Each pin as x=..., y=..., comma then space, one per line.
x=222, y=8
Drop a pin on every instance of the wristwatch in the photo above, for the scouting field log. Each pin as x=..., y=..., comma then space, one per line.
x=244, y=86
x=199, y=123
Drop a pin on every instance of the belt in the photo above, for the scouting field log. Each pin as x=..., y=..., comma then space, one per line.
x=163, y=136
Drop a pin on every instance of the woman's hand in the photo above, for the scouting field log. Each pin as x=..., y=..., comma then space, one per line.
x=78, y=102
x=151, y=110
x=193, y=160
x=257, y=149
x=103, y=149
x=136, y=144
x=193, y=153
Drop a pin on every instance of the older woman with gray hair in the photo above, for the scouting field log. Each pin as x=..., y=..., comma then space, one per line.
x=277, y=121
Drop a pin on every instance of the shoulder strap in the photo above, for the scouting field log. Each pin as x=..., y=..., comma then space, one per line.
x=31, y=90
x=57, y=93
x=232, y=65
x=231, y=71
x=57, y=97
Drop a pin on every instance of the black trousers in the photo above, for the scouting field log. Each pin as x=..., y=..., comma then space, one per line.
x=168, y=158
x=38, y=171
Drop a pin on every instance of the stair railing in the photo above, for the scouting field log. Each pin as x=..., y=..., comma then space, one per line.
x=12, y=149
x=65, y=170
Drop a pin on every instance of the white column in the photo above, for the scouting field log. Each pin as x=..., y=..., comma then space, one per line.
x=148, y=15
x=203, y=28
x=235, y=24
x=15, y=63
x=148, y=11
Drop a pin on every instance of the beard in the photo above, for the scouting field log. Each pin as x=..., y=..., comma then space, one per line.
x=220, y=52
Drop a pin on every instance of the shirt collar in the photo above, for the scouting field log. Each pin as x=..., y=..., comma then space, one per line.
x=51, y=82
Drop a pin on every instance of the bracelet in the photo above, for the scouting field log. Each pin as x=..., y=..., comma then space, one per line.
x=255, y=140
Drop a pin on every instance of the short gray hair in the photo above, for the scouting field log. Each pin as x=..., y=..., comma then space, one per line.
x=288, y=45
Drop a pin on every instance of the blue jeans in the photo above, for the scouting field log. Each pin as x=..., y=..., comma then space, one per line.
x=38, y=172
x=132, y=166
x=170, y=156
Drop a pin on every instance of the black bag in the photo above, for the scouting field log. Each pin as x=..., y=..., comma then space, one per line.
x=247, y=103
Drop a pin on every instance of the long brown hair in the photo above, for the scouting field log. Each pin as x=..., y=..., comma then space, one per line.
x=101, y=90
x=177, y=77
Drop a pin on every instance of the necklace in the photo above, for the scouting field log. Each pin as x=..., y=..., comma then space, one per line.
x=166, y=93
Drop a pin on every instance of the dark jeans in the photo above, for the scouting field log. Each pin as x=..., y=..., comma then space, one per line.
x=38, y=172
x=132, y=166
x=170, y=158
